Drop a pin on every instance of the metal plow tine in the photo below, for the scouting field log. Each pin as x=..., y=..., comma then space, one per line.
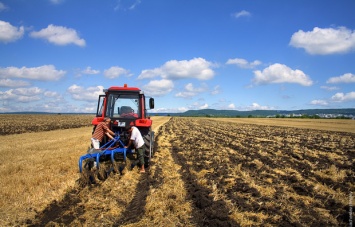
x=87, y=175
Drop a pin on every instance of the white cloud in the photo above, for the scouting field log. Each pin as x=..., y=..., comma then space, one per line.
x=115, y=72
x=346, y=78
x=279, y=73
x=158, y=87
x=90, y=71
x=205, y=106
x=191, y=91
x=325, y=41
x=242, y=13
x=27, y=91
x=9, y=33
x=329, y=88
x=242, y=63
x=13, y=83
x=51, y=94
x=44, y=73
x=341, y=97
x=256, y=106
x=231, y=106
x=23, y=95
x=85, y=94
x=319, y=102
x=59, y=35
x=197, y=68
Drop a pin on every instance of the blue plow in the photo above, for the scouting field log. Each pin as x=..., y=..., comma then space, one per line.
x=94, y=164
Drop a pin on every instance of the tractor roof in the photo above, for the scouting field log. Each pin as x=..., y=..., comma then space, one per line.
x=124, y=88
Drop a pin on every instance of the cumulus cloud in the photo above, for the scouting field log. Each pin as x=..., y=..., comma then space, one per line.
x=319, y=102
x=231, y=106
x=9, y=33
x=51, y=94
x=85, y=94
x=44, y=73
x=115, y=72
x=341, y=97
x=204, y=106
x=197, y=68
x=90, y=71
x=27, y=91
x=13, y=83
x=158, y=87
x=242, y=63
x=242, y=13
x=191, y=91
x=23, y=95
x=279, y=73
x=325, y=41
x=346, y=78
x=59, y=35
x=256, y=106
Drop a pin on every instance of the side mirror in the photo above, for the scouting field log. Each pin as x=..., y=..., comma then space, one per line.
x=151, y=103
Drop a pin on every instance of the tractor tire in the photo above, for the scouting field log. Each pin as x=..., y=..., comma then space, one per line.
x=149, y=147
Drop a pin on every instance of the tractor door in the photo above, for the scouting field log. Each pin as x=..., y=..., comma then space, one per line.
x=100, y=106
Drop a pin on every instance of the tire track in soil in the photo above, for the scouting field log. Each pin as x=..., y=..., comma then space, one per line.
x=135, y=209
x=206, y=211
x=63, y=212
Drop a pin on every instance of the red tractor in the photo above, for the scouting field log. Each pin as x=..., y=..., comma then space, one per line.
x=126, y=106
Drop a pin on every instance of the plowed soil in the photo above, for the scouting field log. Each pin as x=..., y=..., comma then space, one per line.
x=228, y=174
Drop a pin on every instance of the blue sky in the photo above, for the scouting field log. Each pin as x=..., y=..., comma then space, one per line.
x=58, y=55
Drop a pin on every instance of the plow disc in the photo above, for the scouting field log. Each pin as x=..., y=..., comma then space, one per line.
x=97, y=164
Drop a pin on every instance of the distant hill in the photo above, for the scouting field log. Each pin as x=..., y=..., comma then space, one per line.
x=261, y=113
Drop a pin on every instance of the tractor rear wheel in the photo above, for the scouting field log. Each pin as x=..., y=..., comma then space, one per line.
x=149, y=147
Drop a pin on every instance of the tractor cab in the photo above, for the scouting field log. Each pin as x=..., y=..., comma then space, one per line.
x=125, y=106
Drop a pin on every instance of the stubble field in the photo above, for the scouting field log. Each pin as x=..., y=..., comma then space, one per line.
x=206, y=172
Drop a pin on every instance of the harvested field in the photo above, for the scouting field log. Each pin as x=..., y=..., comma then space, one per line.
x=23, y=123
x=205, y=173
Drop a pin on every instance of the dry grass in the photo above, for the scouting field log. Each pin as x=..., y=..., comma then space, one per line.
x=37, y=168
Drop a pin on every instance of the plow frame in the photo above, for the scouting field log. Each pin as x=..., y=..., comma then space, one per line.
x=108, y=149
